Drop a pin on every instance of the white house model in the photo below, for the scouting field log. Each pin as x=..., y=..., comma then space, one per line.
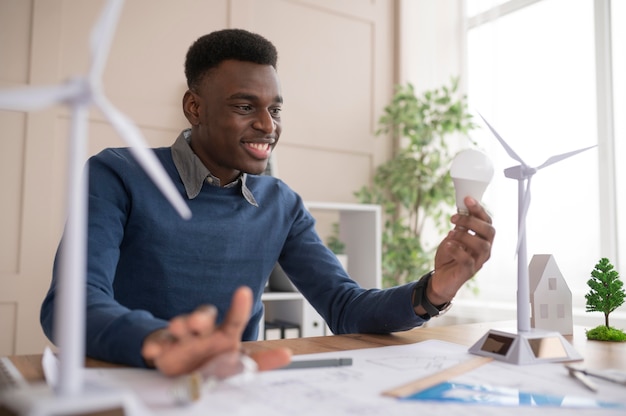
x=550, y=297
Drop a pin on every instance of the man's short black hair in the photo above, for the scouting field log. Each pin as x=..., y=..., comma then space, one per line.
x=208, y=51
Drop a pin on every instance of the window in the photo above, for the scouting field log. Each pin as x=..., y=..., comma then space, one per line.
x=532, y=75
x=618, y=16
x=552, y=283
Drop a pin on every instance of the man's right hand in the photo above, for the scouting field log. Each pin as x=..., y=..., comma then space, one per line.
x=191, y=341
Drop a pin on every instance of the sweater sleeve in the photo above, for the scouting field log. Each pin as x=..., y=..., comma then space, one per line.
x=345, y=306
x=113, y=332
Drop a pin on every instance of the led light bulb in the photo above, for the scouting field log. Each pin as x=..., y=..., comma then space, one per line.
x=471, y=172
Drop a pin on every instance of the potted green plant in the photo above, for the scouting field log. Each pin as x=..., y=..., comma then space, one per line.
x=414, y=187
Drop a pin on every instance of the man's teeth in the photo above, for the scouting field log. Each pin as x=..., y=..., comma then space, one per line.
x=260, y=146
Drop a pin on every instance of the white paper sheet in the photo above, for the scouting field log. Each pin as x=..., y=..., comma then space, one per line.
x=357, y=389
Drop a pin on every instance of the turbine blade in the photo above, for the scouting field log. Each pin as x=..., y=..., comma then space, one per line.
x=526, y=201
x=504, y=144
x=146, y=158
x=102, y=37
x=560, y=157
x=37, y=98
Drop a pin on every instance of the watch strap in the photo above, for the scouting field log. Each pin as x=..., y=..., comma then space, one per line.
x=420, y=298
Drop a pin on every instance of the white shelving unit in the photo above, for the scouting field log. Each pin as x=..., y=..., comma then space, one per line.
x=360, y=230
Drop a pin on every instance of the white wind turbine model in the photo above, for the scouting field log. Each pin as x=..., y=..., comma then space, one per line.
x=70, y=395
x=527, y=345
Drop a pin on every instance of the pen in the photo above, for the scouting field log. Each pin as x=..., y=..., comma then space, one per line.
x=331, y=362
x=582, y=377
x=608, y=375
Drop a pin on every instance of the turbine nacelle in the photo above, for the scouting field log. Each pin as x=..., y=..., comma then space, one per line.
x=520, y=172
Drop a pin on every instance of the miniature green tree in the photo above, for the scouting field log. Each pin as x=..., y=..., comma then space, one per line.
x=606, y=295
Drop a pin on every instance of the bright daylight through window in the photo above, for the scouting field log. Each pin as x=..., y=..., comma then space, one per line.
x=532, y=75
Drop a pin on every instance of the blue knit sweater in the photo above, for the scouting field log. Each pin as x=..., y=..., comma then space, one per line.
x=147, y=265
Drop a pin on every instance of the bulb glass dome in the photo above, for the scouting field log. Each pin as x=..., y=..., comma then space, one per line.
x=471, y=172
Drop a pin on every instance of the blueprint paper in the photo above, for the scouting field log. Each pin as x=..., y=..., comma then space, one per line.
x=357, y=389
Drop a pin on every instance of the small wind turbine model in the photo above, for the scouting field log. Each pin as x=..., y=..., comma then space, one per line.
x=70, y=396
x=528, y=345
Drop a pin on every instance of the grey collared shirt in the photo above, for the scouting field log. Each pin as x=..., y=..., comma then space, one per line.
x=193, y=173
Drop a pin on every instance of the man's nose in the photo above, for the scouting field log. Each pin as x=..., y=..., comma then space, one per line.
x=265, y=122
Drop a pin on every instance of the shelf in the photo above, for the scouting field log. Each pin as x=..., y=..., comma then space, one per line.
x=360, y=230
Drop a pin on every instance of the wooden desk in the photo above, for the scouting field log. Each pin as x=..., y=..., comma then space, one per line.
x=597, y=354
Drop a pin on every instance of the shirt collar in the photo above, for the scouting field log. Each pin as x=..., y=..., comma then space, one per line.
x=193, y=173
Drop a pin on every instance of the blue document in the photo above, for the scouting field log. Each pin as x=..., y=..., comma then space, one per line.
x=505, y=396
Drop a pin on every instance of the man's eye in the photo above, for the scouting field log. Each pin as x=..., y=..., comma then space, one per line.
x=244, y=107
x=275, y=112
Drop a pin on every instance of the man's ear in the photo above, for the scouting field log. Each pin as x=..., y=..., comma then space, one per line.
x=191, y=107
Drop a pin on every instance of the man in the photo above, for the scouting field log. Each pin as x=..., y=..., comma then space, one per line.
x=150, y=272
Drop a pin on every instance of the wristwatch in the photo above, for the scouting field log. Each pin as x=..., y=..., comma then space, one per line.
x=421, y=299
